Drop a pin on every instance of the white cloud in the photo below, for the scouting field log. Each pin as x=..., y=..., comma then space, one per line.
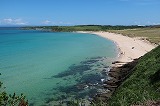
x=143, y=23
x=10, y=21
x=46, y=22
x=155, y=23
x=63, y=23
x=7, y=21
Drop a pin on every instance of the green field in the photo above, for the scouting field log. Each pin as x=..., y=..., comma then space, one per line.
x=150, y=34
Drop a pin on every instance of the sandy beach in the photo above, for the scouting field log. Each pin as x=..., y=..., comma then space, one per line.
x=129, y=48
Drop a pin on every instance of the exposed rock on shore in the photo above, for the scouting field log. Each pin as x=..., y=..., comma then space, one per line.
x=118, y=74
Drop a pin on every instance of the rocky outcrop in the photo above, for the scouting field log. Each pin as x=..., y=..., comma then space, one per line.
x=118, y=74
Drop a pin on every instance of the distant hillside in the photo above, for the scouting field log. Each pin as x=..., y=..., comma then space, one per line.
x=143, y=85
x=84, y=28
x=150, y=33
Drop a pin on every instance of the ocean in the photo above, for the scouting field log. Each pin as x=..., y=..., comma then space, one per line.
x=48, y=67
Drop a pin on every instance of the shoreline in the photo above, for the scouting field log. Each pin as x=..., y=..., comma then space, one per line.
x=128, y=48
x=129, y=52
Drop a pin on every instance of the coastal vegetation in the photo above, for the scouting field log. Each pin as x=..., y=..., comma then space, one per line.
x=143, y=86
x=11, y=100
x=82, y=28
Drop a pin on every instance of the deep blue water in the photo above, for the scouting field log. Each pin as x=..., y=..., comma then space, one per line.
x=52, y=66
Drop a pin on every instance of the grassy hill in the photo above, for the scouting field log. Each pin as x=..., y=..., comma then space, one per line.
x=151, y=34
x=144, y=83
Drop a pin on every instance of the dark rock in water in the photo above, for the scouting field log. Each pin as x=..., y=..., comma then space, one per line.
x=64, y=78
x=97, y=58
x=73, y=90
x=113, y=83
x=104, y=70
x=72, y=103
x=79, y=69
x=108, y=95
x=98, y=65
x=31, y=104
x=106, y=67
x=63, y=97
x=57, y=83
x=81, y=95
x=111, y=89
x=90, y=93
x=89, y=61
x=86, y=76
x=73, y=70
x=114, y=75
x=82, y=86
x=110, y=86
x=91, y=78
x=104, y=73
x=117, y=62
x=48, y=100
x=68, y=89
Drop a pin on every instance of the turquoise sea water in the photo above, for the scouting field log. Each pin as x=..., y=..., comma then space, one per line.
x=48, y=66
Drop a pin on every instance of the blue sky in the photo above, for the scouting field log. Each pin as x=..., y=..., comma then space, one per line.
x=75, y=12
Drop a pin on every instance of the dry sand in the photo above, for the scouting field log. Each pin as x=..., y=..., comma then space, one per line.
x=130, y=48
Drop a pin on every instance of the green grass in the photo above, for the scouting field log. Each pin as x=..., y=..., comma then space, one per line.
x=143, y=84
x=151, y=34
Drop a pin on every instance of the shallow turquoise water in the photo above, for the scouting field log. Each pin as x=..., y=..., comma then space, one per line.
x=36, y=63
